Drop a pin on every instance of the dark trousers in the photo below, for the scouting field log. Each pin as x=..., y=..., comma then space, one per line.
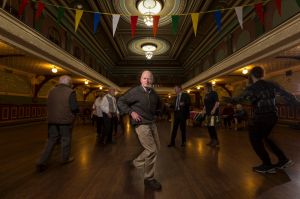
x=56, y=133
x=179, y=119
x=259, y=130
x=108, y=128
x=99, y=123
x=212, y=132
x=227, y=121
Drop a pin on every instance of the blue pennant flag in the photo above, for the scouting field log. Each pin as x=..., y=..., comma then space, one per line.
x=218, y=16
x=96, y=20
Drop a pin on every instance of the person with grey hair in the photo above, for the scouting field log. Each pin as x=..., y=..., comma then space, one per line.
x=110, y=113
x=62, y=107
x=142, y=103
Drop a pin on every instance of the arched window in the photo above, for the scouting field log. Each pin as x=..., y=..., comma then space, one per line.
x=54, y=36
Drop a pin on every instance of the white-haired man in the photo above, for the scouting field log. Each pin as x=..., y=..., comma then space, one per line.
x=62, y=107
x=142, y=104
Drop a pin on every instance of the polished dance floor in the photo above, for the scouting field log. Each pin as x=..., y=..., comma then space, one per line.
x=196, y=171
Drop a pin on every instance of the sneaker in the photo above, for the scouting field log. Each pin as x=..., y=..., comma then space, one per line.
x=153, y=184
x=41, y=168
x=265, y=169
x=69, y=160
x=282, y=164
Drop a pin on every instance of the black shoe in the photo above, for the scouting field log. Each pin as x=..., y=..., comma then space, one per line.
x=265, y=169
x=41, y=168
x=153, y=184
x=282, y=164
x=171, y=145
x=183, y=144
x=69, y=160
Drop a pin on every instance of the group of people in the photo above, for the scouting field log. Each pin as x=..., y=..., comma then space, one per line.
x=143, y=105
x=236, y=115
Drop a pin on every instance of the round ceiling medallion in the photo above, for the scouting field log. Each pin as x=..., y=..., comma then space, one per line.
x=129, y=8
x=136, y=45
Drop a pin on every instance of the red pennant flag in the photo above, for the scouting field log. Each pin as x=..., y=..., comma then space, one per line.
x=155, y=24
x=22, y=7
x=278, y=5
x=260, y=12
x=134, y=20
x=41, y=7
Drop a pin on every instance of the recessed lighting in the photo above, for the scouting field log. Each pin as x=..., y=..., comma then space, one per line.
x=245, y=71
x=54, y=70
x=86, y=82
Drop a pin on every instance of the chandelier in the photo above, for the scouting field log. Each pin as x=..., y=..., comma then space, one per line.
x=148, y=8
x=149, y=48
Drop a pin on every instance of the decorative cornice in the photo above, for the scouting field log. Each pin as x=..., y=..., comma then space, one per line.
x=24, y=37
x=280, y=38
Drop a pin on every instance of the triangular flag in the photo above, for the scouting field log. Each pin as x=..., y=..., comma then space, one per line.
x=22, y=7
x=40, y=9
x=260, y=12
x=195, y=18
x=155, y=24
x=96, y=20
x=175, y=20
x=115, y=20
x=278, y=5
x=239, y=14
x=133, y=20
x=4, y=3
x=298, y=2
x=78, y=16
x=218, y=18
x=60, y=14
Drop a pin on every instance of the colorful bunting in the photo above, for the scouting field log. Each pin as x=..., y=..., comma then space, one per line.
x=278, y=5
x=116, y=19
x=239, y=14
x=175, y=20
x=4, y=3
x=40, y=9
x=96, y=20
x=218, y=18
x=260, y=12
x=195, y=18
x=155, y=24
x=22, y=7
x=78, y=16
x=60, y=14
x=133, y=20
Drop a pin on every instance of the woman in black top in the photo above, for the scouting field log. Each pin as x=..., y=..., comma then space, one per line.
x=211, y=110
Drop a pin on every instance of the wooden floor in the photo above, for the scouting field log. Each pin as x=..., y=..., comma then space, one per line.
x=196, y=171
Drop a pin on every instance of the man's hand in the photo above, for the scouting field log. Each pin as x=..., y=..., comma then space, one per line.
x=136, y=117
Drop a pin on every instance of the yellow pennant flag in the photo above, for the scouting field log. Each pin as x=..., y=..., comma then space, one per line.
x=195, y=17
x=78, y=16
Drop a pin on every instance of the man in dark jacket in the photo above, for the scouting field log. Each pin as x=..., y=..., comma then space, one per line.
x=142, y=104
x=262, y=95
x=181, y=114
x=61, y=107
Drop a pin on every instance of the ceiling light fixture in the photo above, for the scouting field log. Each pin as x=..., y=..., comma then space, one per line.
x=86, y=82
x=100, y=87
x=149, y=48
x=148, y=8
x=54, y=69
x=245, y=71
x=213, y=83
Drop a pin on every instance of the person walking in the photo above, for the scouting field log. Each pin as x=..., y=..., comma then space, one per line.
x=62, y=107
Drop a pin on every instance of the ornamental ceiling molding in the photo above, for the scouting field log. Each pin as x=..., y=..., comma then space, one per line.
x=170, y=7
x=135, y=45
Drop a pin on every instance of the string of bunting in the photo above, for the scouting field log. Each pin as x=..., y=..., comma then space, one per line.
x=133, y=19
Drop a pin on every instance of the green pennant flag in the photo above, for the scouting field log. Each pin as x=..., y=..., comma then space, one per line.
x=175, y=21
x=298, y=2
x=60, y=14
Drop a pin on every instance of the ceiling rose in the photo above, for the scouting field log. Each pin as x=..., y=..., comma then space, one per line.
x=157, y=47
x=129, y=8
